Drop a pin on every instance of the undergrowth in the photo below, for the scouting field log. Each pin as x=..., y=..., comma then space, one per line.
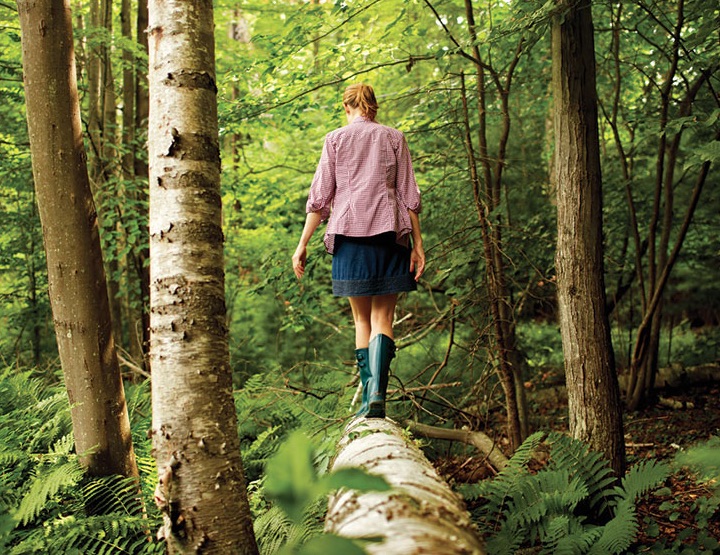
x=572, y=505
x=47, y=504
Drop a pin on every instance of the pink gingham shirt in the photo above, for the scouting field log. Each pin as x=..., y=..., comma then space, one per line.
x=364, y=184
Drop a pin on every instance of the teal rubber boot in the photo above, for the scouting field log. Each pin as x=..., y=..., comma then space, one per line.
x=361, y=355
x=380, y=352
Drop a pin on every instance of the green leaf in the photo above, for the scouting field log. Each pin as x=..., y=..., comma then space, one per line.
x=291, y=476
x=352, y=478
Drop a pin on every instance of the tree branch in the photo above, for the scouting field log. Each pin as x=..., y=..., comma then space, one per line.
x=411, y=59
x=479, y=440
x=462, y=52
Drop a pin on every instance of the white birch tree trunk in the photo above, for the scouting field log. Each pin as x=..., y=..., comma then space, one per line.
x=201, y=489
x=420, y=515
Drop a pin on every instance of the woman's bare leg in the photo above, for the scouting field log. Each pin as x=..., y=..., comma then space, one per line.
x=382, y=315
x=361, y=311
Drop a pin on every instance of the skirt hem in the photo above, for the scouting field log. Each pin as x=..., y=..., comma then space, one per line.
x=374, y=286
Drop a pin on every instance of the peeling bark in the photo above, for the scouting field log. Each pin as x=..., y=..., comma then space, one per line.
x=421, y=514
x=201, y=489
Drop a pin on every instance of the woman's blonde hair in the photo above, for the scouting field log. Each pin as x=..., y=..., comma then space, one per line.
x=363, y=97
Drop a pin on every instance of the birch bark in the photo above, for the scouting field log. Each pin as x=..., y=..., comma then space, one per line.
x=201, y=488
x=420, y=515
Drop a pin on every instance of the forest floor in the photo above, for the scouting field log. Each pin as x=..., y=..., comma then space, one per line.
x=655, y=432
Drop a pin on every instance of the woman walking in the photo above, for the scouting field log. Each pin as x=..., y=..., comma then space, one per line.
x=365, y=188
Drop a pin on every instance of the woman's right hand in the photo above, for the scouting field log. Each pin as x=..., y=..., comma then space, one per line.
x=417, y=260
x=298, y=261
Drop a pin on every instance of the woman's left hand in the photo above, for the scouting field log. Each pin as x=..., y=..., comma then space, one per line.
x=417, y=261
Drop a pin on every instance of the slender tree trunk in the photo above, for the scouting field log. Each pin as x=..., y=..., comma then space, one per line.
x=593, y=391
x=110, y=172
x=488, y=196
x=504, y=371
x=78, y=293
x=421, y=514
x=202, y=485
x=644, y=361
x=133, y=266
x=142, y=108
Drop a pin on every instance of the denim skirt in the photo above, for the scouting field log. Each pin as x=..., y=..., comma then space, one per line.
x=365, y=266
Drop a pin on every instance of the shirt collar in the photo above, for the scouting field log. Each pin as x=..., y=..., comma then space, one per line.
x=361, y=119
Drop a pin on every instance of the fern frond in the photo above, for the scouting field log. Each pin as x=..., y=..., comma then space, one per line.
x=63, y=446
x=524, y=453
x=558, y=529
x=499, y=490
x=11, y=457
x=507, y=541
x=569, y=536
x=274, y=529
x=18, y=389
x=113, y=495
x=98, y=535
x=45, y=485
x=620, y=532
x=53, y=413
x=591, y=467
x=643, y=477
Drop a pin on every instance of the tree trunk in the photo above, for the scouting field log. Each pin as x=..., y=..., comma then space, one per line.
x=593, y=391
x=142, y=108
x=504, y=370
x=421, y=514
x=78, y=294
x=202, y=485
x=134, y=302
x=488, y=197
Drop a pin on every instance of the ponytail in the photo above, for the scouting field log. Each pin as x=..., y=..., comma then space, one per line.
x=363, y=97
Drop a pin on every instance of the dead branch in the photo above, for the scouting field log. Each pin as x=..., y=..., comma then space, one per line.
x=479, y=440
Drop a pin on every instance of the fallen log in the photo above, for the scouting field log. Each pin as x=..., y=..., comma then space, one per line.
x=420, y=515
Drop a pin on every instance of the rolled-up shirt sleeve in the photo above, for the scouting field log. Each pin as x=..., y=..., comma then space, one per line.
x=406, y=185
x=322, y=189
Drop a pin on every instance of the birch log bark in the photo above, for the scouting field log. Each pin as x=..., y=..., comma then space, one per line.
x=201, y=488
x=420, y=515
x=76, y=278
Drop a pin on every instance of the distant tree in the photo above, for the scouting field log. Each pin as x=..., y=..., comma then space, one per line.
x=592, y=385
x=202, y=490
x=78, y=293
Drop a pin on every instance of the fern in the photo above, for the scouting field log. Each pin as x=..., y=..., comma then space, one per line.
x=619, y=533
x=643, y=477
x=47, y=483
x=546, y=508
x=113, y=495
x=497, y=491
x=47, y=505
x=590, y=467
x=99, y=535
x=274, y=529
